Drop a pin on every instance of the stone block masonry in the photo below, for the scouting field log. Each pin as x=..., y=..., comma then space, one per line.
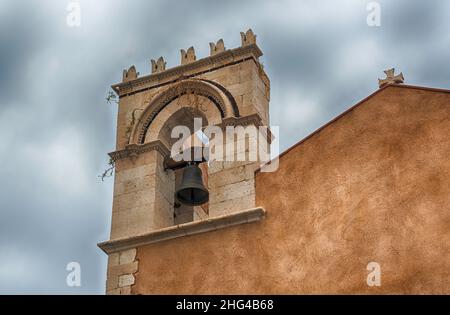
x=121, y=269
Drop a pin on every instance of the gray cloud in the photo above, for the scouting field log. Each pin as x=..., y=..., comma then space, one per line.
x=56, y=128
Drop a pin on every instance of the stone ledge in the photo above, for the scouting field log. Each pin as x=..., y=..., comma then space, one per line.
x=186, y=229
x=133, y=150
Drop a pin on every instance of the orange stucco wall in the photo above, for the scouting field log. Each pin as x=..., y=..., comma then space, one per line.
x=372, y=186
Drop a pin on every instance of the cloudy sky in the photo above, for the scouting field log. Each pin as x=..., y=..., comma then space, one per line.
x=56, y=128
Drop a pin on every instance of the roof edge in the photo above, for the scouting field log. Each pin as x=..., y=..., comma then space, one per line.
x=352, y=108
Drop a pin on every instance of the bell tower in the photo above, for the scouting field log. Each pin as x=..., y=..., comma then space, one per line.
x=211, y=98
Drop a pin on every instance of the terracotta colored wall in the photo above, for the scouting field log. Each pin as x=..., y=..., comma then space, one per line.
x=372, y=186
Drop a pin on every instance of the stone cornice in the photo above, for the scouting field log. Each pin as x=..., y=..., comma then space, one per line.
x=253, y=119
x=188, y=70
x=191, y=228
x=134, y=150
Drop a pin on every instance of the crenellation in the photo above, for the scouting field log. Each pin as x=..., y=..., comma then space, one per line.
x=248, y=38
x=159, y=65
x=188, y=56
x=130, y=74
x=217, y=47
x=189, y=65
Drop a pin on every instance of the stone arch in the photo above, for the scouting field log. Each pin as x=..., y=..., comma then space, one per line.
x=228, y=95
x=184, y=94
x=174, y=114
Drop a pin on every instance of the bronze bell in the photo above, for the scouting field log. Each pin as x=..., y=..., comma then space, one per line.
x=192, y=191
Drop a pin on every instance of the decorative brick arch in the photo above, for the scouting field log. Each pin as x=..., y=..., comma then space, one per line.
x=221, y=98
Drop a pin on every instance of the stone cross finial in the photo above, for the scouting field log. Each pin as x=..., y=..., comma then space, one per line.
x=188, y=56
x=158, y=66
x=391, y=78
x=248, y=38
x=217, y=47
x=130, y=74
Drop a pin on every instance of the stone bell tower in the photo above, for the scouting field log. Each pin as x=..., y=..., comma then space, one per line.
x=228, y=88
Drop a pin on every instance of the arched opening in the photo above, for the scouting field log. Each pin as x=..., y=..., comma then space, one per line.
x=183, y=117
x=186, y=117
